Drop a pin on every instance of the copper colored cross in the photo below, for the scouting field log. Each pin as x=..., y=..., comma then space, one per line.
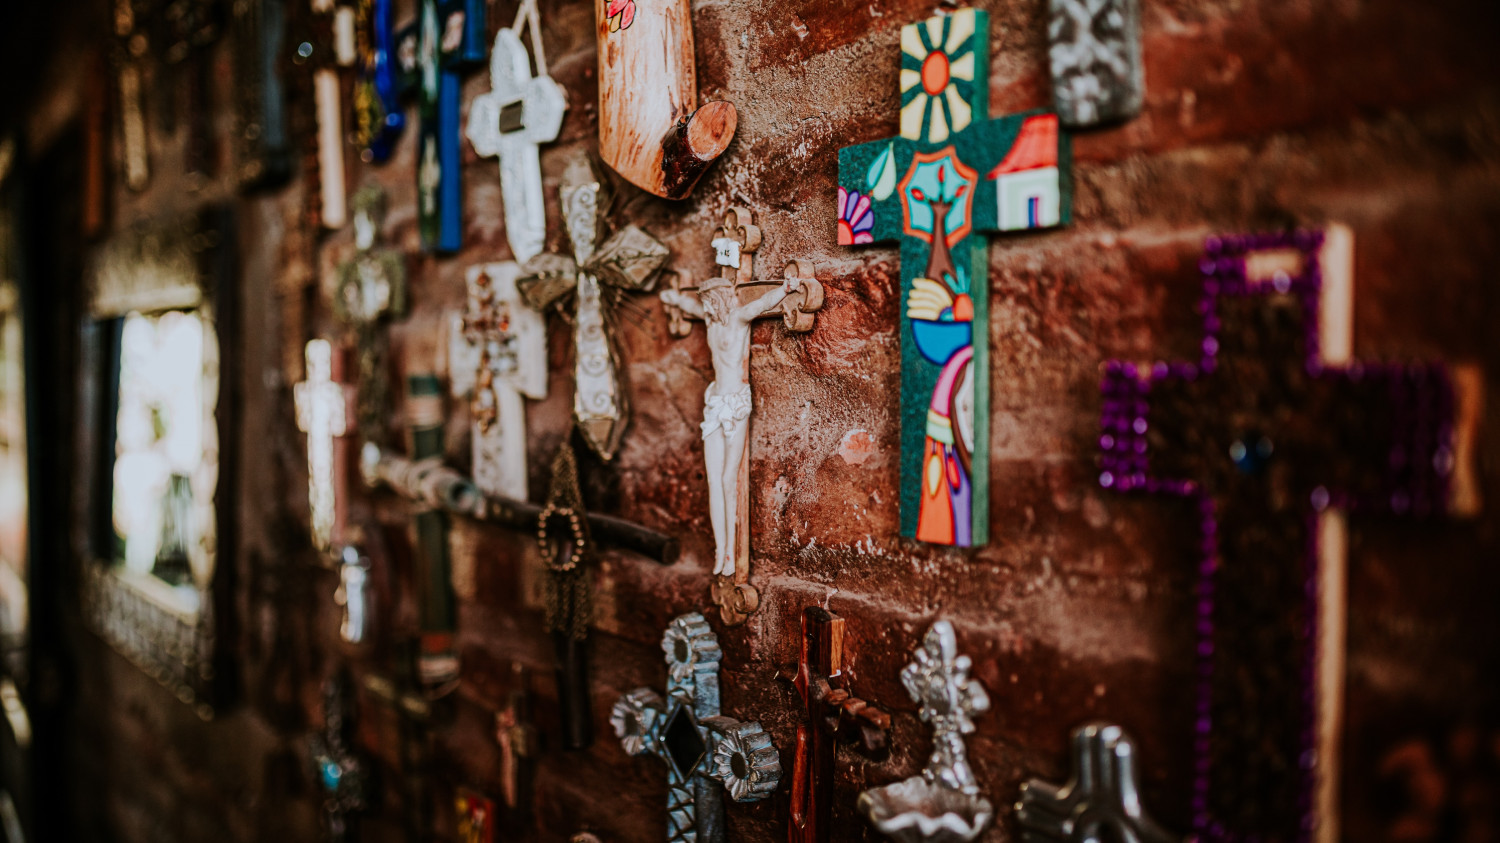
x=833, y=716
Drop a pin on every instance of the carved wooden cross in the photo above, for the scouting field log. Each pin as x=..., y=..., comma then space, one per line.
x=371, y=289
x=497, y=355
x=319, y=50
x=628, y=261
x=729, y=303
x=700, y=747
x=833, y=715
x=341, y=773
x=1271, y=433
x=651, y=130
x=517, y=736
x=950, y=174
x=1101, y=801
x=324, y=413
x=520, y=112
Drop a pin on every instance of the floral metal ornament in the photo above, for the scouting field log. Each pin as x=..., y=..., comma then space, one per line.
x=1102, y=796
x=697, y=743
x=942, y=805
x=597, y=279
x=1095, y=56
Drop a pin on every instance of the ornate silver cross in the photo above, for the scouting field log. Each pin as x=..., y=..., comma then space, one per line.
x=628, y=261
x=700, y=747
x=520, y=112
x=498, y=354
x=943, y=804
x=1101, y=796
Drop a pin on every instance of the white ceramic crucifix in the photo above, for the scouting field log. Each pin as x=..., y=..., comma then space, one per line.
x=497, y=354
x=324, y=413
x=520, y=112
x=728, y=304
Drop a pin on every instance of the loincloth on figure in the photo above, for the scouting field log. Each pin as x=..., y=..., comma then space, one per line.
x=721, y=410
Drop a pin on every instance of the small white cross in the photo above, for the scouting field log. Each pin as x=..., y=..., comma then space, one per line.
x=323, y=414
x=520, y=112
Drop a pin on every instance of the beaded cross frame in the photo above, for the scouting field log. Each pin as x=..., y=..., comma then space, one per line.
x=1266, y=438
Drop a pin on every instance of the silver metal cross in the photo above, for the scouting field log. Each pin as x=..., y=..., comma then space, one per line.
x=700, y=747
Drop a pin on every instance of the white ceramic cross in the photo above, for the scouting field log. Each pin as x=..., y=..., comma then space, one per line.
x=497, y=354
x=323, y=413
x=520, y=112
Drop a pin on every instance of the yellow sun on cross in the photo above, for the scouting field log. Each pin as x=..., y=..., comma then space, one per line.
x=937, y=72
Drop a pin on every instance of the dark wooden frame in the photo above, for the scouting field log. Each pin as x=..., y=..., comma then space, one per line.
x=156, y=265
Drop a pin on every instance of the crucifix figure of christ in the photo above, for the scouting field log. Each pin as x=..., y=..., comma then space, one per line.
x=1103, y=795
x=449, y=37
x=498, y=356
x=1272, y=434
x=371, y=289
x=520, y=112
x=951, y=173
x=700, y=747
x=942, y=804
x=597, y=278
x=833, y=716
x=728, y=304
x=516, y=733
x=324, y=413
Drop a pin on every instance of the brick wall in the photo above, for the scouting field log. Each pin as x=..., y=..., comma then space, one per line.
x=1379, y=113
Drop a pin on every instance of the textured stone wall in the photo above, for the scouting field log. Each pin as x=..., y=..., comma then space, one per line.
x=1381, y=114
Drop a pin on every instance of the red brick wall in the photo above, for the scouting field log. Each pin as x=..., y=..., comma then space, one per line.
x=1382, y=114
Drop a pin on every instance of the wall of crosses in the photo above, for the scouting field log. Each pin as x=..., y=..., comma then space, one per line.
x=1083, y=605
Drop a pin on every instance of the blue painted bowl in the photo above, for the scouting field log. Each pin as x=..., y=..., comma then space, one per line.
x=939, y=341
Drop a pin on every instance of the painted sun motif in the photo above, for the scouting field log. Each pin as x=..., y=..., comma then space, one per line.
x=937, y=76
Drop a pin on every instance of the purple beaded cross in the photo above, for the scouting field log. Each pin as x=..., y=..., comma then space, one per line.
x=1263, y=437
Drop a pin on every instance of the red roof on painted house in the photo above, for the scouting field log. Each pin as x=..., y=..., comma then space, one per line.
x=1035, y=147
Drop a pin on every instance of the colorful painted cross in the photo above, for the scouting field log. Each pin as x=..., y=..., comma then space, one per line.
x=498, y=355
x=1271, y=433
x=942, y=803
x=520, y=112
x=700, y=747
x=324, y=412
x=379, y=118
x=950, y=174
x=1102, y=800
x=728, y=304
x=596, y=278
x=371, y=289
x=833, y=715
x=450, y=36
x=341, y=774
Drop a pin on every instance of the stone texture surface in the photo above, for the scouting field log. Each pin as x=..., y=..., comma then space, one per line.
x=1382, y=114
